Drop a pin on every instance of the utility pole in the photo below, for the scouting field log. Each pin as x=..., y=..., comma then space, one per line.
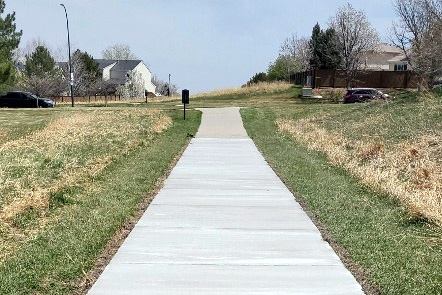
x=70, y=61
x=168, y=91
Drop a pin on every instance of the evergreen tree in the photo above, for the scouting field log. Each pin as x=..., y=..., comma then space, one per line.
x=316, y=47
x=324, y=46
x=90, y=65
x=258, y=77
x=42, y=77
x=332, y=53
x=9, y=40
x=40, y=63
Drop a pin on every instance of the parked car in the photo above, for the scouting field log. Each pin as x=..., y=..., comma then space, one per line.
x=363, y=94
x=19, y=99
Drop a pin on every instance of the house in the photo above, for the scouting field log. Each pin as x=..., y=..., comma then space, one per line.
x=116, y=72
x=399, y=63
x=386, y=57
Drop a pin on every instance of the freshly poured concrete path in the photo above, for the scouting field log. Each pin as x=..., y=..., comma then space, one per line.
x=224, y=223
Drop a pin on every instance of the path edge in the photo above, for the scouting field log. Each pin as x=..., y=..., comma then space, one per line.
x=85, y=283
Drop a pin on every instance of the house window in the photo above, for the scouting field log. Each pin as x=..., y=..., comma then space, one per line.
x=399, y=68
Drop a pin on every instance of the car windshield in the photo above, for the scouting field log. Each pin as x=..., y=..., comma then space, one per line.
x=34, y=96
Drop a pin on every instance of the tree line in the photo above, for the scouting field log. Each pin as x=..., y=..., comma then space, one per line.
x=349, y=39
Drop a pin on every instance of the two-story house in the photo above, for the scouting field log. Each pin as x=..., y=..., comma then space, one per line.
x=116, y=72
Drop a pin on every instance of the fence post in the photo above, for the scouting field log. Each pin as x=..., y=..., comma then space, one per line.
x=406, y=79
x=315, y=76
x=380, y=79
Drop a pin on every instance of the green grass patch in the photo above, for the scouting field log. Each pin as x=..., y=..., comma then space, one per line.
x=18, y=123
x=399, y=255
x=81, y=221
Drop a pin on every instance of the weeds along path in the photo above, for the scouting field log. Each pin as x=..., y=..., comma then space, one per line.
x=39, y=171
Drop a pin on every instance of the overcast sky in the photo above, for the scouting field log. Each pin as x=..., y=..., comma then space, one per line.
x=204, y=44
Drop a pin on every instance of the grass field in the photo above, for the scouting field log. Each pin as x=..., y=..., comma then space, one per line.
x=369, y=174
x=69, y=180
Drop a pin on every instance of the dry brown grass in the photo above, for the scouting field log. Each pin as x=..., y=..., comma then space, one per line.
x=260, y=88
x=164, y=98
x=135, y=101
x=3, y=135
x=69, y=152
x=411, y=170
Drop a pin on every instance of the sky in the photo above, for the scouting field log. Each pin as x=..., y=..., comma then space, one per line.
x=203, y=44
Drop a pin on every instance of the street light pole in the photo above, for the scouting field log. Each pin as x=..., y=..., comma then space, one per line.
x=168, y=92
x=70, y=62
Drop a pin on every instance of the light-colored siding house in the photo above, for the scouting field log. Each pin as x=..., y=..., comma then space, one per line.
x=116, y=72
x=386, y=57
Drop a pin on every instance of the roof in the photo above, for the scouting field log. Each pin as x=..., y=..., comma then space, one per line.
x=401, y=57
x=103, y=63
x=384, y=47
x=120, y=65
x=126, y=65
x=62, y=64
x=21, y=66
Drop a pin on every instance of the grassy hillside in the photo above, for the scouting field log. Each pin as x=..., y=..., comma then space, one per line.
x=371, y=175
x=69, y=179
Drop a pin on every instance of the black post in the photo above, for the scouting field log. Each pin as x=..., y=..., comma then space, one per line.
x=185, y=100
x=70, y=62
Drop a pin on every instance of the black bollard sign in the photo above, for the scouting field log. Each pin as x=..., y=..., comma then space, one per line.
x=185, y=100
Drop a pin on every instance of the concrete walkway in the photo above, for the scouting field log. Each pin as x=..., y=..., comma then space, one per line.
x=224, y=223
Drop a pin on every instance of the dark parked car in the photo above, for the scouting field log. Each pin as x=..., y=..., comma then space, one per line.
x=18, y=99
x=363, y=94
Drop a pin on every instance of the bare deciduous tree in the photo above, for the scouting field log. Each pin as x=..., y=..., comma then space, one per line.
x=84, y=81
x=80, y=85
x=43, y=86
x=356, y=36
x=163, y=87
x=102, y=87
x=297, y=50
x=296, y=53
x=134, y=87
x=118, y=52
x=21, y=53
x=419, y=34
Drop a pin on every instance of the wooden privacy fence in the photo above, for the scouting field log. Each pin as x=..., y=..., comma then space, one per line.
x=369, y=79
x=86, y=98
